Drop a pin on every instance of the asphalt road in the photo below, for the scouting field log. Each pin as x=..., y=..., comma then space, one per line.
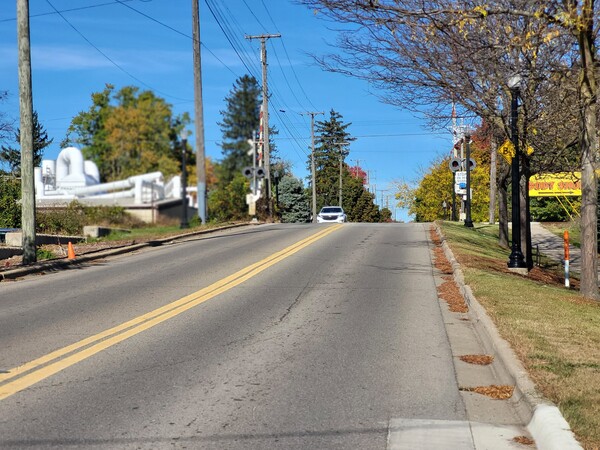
x=316, y=347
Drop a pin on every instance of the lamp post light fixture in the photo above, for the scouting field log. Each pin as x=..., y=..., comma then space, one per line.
x=184, y=217
x=516, y=259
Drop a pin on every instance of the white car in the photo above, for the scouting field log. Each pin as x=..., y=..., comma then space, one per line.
x=331, y=214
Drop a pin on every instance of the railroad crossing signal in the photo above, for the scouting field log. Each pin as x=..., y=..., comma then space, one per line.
x=249, y=172
x=458, y=164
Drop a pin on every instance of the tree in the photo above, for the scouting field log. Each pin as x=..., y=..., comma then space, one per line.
x=10, y=186
x=405, y=194
x=128, y=132
x=293, y=203
x=6, y=126
x=10, y=206
x=229, y=202
x=435, y=188
x=386, y=215
x=240, y=122
x=12, y=156
x=366, y=210
x=546, y=41
x=331, y=144
x=358, y=172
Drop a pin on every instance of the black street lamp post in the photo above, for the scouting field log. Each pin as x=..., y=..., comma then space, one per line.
x=454, y=218
x=184, y=216
x=516, y=259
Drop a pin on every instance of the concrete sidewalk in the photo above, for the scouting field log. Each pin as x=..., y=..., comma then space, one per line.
x=552, y=246
x=546, y=424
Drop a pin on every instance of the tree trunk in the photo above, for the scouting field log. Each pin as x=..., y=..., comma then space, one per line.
x=493, y=186
x=526, y=243
x=589, y=192
x=503, y=237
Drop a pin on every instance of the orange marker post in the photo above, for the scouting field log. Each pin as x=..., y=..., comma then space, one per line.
x=566, y=246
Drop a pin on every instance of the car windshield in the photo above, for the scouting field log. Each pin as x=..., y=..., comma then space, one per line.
x=331, y=210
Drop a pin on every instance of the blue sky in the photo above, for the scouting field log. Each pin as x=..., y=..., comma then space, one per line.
x=138, y=50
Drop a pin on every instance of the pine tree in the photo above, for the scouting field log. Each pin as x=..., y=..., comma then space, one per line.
x=293, y=203
x=12, y=156
x=240, y=122
x=332, y=141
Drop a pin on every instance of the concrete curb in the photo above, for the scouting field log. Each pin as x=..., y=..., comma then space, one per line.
x=546, y=424
x=58, y=264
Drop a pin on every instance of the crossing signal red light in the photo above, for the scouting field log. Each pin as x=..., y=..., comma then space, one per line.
x=455, y=164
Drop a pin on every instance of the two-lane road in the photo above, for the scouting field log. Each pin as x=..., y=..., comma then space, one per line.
x=276, y=336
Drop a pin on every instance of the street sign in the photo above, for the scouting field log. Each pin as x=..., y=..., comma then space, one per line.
x=460, y=176
x=507, y=150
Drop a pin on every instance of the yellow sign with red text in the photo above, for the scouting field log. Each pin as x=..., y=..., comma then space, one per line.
x=565, y=184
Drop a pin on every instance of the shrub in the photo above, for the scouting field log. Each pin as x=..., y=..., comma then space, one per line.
x=10, y=208
x=75, y=216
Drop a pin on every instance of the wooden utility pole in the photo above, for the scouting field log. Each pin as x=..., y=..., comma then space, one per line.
x=340, y=146
x=265, y=100
x=26, y=131
x=199, y=113
x=312, y=115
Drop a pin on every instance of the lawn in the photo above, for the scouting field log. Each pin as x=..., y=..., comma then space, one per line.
x=553, y=330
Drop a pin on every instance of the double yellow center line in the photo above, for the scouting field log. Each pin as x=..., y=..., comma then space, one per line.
x=33, y=372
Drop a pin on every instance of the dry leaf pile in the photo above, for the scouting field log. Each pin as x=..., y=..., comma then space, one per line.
x=497, y=392
x=524, y=440
x=448, y=290
x=481, y=360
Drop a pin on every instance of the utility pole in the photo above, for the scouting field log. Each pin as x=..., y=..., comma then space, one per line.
x=199, y=113
x=265, y=94
x=357, y=161
x=312, y=115
x=26, y=142
x=340, y=145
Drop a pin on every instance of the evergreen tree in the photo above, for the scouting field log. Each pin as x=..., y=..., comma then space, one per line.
x=12, y=156
x=293, y=203
x=366, y=210
x=331, y=147
x=240, y=122
x=385, y=215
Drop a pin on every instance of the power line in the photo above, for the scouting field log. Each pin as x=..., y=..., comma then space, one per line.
x=122, y=2
x=71, y=9
x=108, y=58
x=254, y=15
x=287, y=56
x=227, y=36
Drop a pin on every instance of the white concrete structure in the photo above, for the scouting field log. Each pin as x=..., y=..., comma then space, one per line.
x=70, y=178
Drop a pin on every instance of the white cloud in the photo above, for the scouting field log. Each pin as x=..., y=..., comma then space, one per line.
x=81, y=58
x=66, y=58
